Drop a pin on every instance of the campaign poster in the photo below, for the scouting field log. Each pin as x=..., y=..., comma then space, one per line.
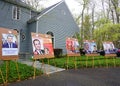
x=42, y=45
x=90, y=46
x=108, y=47
x=72, y=46
x=87, y=47
x=93, y=47
x=48, y=46
x=9, y=44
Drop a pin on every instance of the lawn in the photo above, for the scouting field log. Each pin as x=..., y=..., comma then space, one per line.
x=25, y=71
x=84, y=62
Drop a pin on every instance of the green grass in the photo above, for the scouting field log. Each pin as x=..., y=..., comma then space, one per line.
x=25, y=71
x=84, y=62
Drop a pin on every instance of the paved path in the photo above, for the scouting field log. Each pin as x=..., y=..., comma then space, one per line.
x=48, y=69
x=80, y=77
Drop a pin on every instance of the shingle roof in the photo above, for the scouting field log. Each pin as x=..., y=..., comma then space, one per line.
x=20, y=3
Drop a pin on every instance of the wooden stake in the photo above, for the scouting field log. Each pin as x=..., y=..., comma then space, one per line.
x=99, y=63
x=2, y=76
x=75, y=63
x=93, y=62
x=7, y=69
x=48, y=66
x=86, y=61
x=67, y=60
x=34, y=65
x=106, y=62
x=114, y=61
x=17, y=70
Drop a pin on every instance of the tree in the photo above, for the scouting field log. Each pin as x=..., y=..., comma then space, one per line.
x=115, y=4
x=108, y=32
x=34, y=4
x=93, y=21
x=110, y=11
x=87, y=27
x=84, y=6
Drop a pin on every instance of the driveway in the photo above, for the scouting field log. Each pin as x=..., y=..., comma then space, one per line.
x=79, y=77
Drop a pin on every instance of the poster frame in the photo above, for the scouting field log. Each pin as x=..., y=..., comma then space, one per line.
x=8, y=31
x=40, y=36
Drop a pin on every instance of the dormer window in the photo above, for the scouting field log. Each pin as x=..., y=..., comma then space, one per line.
x=16, y=13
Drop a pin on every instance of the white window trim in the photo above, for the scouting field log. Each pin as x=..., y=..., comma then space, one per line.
x=13, y=7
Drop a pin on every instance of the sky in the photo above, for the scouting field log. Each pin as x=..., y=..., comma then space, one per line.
x=73, y=6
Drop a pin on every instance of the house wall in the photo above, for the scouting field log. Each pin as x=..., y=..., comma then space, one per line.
x=61, y=23
x=32, y=28
x=6, y=21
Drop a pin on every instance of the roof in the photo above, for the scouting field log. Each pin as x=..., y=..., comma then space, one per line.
x=45, y=11
x=21, y=4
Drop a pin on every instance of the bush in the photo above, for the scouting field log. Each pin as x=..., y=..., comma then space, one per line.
x=102, y=52
x=82, y=52
x=58, y=52
x=118, y=53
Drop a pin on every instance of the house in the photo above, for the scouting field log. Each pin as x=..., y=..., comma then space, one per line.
x=55, y=20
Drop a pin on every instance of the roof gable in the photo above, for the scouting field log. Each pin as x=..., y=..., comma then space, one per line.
x=45, y=11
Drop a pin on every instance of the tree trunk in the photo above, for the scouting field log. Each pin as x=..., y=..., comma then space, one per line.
x=115, y=5
x=93, y=25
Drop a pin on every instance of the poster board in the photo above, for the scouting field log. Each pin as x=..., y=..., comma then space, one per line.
x=90, y=46
x=72, y=47
x=9, y=44
x=42, y=46
x=109, y=47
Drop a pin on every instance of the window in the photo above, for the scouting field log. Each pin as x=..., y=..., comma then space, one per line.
x=16, y=13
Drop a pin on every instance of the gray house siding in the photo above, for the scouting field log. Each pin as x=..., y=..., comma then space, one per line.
x=6, y=20
x=59, y=21
x=32, y=28
x=56, y=19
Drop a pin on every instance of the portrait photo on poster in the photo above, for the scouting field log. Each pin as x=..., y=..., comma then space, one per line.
x=90, y=47
x=48, y=46
x=76, y=46
x=72, y=46
x=42, y=45
x=108, y=47
x=9, y=44
x=93, y=47
x=69, y=45
x=38, y=48
x=86, y=46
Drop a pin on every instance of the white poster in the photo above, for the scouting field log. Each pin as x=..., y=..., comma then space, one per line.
x=9, y=44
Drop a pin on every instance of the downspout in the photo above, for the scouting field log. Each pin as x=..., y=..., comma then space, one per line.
x=37, y=26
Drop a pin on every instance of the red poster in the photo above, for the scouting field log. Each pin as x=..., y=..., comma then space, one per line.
x=72, y=46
